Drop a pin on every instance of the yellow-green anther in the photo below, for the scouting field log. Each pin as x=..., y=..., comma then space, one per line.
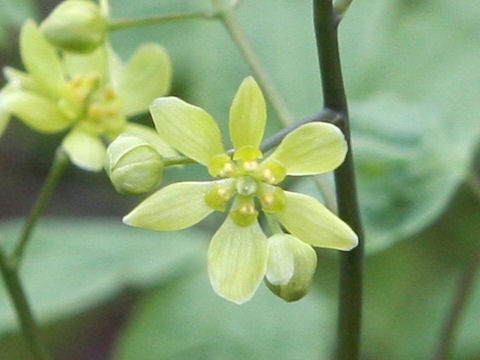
x=245, y=185
x=243, y=212
x=250, y=166
x=219, y=194
x=133, y=165
x=221, y=165
x=271, y=172
x=272, y=198
x=76, y=26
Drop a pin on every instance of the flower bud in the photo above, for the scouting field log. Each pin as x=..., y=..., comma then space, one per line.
x=133, y=165
x=76, y=26
x=290, y=268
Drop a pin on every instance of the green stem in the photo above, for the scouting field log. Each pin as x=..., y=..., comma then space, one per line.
x=450, y=327
x=341, y=6
x=230, y=22
x=121, y=24
x=19, y=300
x=57, y=169
x=465, y=287
x=351, y=263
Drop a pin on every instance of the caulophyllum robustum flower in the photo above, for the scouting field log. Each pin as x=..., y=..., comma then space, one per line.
x=240, y=255
x=92, y=94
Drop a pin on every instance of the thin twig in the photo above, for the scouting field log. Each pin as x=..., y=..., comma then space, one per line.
x=351, y=263
x=121, y=24
x=227, y=16
x=465, y=286
x=24, y=314
x=58, y=167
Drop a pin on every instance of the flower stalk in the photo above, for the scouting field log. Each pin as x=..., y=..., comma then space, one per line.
x=351, y=263
x=19, y=300
x=57, y=169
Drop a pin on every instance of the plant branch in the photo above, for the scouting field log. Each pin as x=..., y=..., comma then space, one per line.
x=19, y=300
x=326, y=115
x=450, y=326
x=121, y=24
x=58, y=167
x=351, y=263
x=227, y=16
x=460, y=298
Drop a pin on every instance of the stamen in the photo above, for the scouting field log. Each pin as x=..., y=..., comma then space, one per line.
x=223, y=193
x=227, y=170
x=269, y=199
x=250, y=165
x=268, y=176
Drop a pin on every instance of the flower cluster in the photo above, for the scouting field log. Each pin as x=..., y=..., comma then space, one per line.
x=240, y=255
x=90, y=93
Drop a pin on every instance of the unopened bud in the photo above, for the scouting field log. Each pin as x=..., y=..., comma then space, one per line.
x=133, y=165
x=290, y=268
x=76, y=26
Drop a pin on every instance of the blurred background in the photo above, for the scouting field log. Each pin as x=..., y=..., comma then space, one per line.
x=105, y=291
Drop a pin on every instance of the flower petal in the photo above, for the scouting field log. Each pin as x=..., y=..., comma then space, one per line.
x=84, y=150
x=146, y=76
x=152, y=137
x=176, y=206
x=312, y=148
x=36, y=111
x=237, y=260
x=40, y=58
x=248, y=115
x=86, y=64
x=281, y=262
x=310, y=221
x=4, y=118
x=188, y=128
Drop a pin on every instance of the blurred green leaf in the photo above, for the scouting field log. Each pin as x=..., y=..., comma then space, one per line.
x=412, y=144
x=187, y=320
x=75, y=264
x=13, y=14
x=410, y=287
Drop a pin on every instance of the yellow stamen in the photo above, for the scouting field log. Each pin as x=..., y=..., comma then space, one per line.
x=268, y=176
x=250, y=165
x=269, y=199
x=227, y=170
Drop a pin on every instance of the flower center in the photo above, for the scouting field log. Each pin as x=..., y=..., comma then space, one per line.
x=97, y=107
x=245, y=180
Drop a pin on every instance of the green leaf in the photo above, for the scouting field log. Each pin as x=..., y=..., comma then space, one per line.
x=74, y=264
x=311, y=149
x=176, y=206
x=237, y=260
x=187, y=320
x=84, y=149
x=383, y=51
x=13, y=14
x=146, y=76
x=310, y=221
x=187, y=128
x=248, y=115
